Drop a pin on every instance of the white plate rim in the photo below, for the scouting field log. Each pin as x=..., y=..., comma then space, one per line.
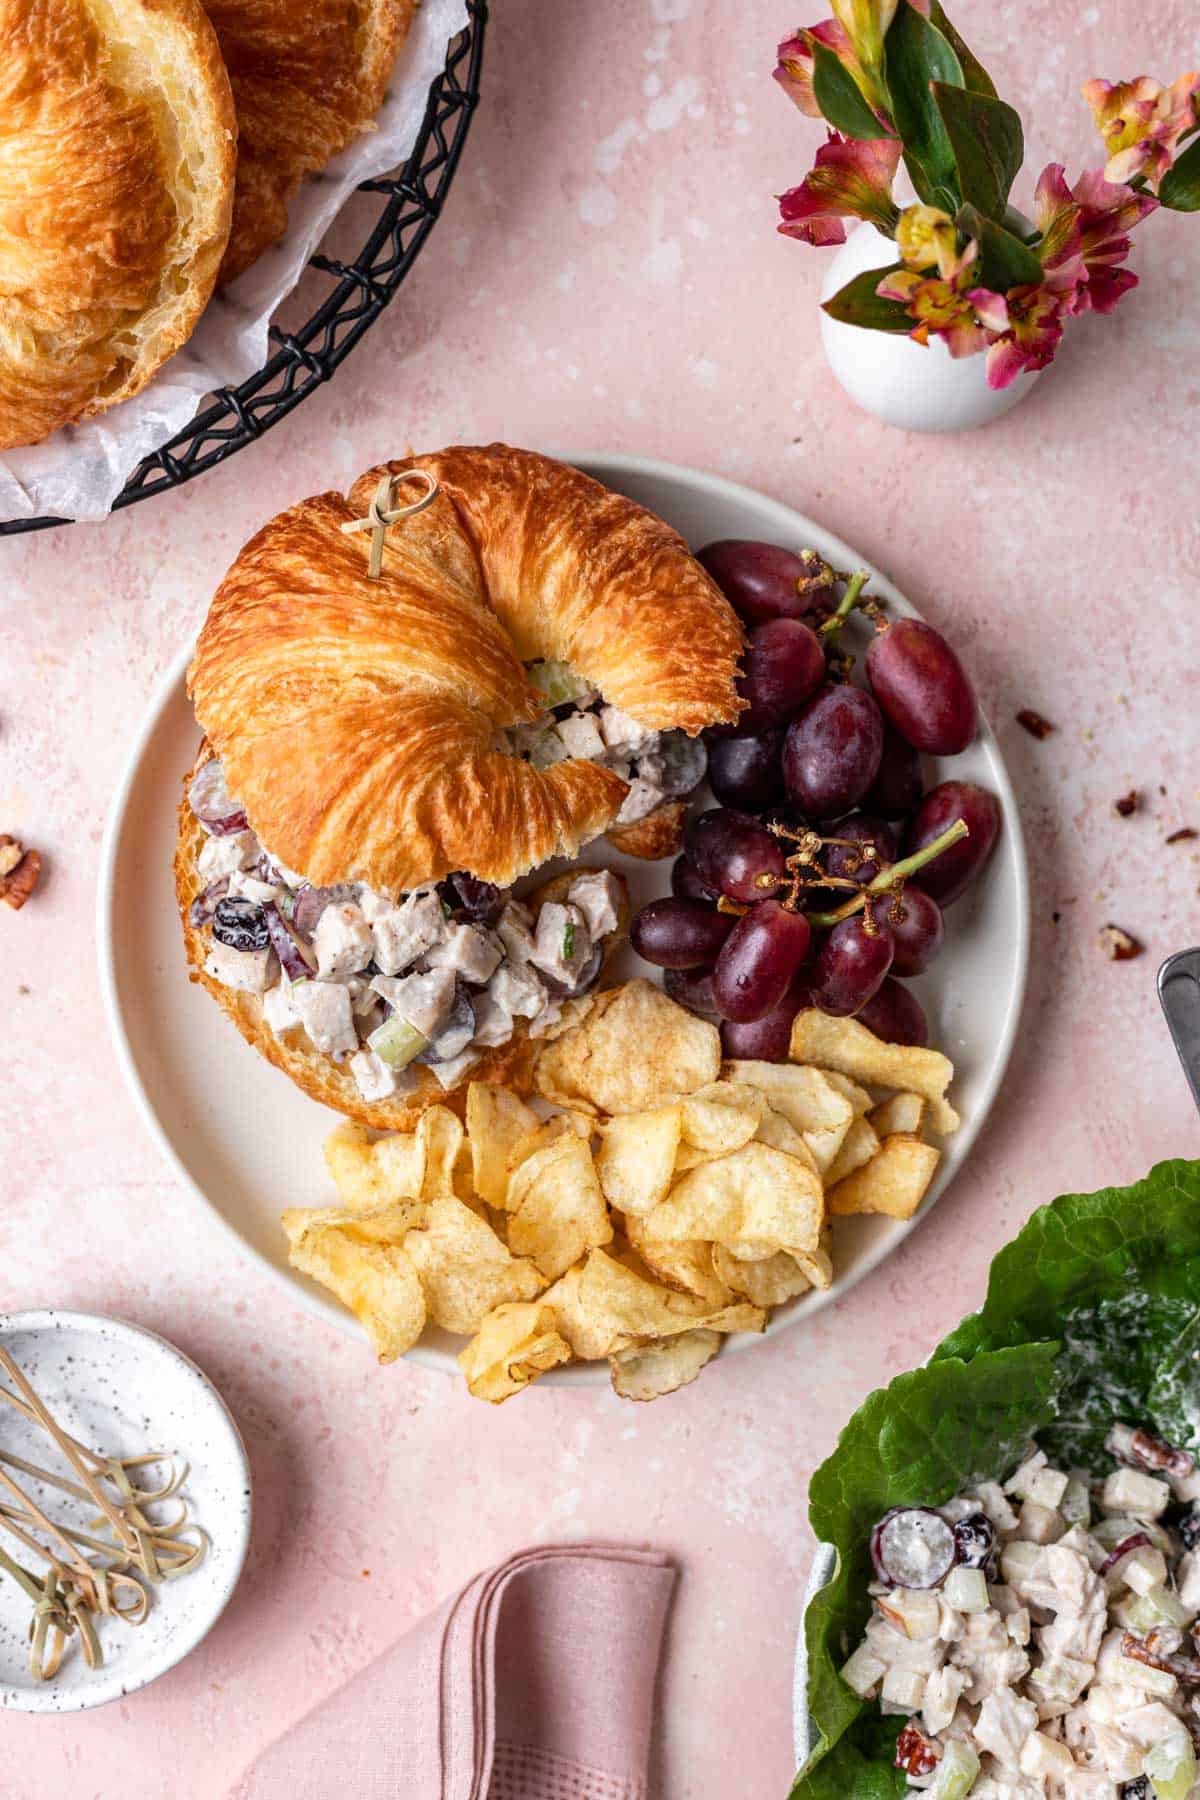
x=107, y=1685
x=794, y=526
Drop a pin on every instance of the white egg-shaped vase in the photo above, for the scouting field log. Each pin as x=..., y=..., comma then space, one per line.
x=916, y=387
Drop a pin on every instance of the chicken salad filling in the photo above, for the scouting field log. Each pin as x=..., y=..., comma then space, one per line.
x=433, y=977
x=1041, y=1638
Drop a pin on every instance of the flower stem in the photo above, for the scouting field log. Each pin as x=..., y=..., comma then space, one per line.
x=846, y=605
x=890, y=877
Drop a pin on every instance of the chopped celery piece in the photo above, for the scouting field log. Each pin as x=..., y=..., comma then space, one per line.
x=557, y=682
x=396, y=1042
x=547, y=748
x=1171, y=1766
x=1075, y=1505
x=956, y=1772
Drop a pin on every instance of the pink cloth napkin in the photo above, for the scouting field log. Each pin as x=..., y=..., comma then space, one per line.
x=535, y=1683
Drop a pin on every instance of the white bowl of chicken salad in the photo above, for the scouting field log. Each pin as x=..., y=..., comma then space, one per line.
x=1006, y=1605
x=249, y=1143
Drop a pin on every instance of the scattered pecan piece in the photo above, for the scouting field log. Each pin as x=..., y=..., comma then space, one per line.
x=914, y=1752
x=1034, y=723
x=1184, y=835
x=1127, y=805
x=19, y=871
x=1119, y=945
x=1184, y=1668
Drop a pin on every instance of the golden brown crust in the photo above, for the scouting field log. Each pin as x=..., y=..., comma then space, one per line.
x=116, y=191
x=357, y=718
x=308, y=76
x=320, y=1077
x=659, y=834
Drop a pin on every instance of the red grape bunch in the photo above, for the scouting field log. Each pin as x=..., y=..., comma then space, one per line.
x=821, y=877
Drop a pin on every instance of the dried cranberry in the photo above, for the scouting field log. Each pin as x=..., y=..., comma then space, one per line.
x=914, y=1752
x=974, y=1541
x=1188, y=1528
x=240, y=925
x=1137, y=1789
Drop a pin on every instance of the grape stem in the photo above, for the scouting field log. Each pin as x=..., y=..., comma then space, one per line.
x=846, y=604
x=891, y=878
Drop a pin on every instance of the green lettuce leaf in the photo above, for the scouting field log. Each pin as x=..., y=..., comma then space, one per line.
x=916, y=1442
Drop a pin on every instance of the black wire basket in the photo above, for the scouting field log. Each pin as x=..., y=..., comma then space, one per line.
x=409, y=203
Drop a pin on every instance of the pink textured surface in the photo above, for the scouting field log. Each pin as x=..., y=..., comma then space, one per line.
x=607, y=274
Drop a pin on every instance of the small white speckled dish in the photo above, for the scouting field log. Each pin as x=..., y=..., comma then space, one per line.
x=122, y=1390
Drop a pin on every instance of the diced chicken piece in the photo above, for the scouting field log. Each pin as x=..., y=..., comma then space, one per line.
x=943, y=1691
x=451, y=1072
x=515, y=931
x=1088, y=1784
x=639, y=802
x=994, y=1504
x=896, y=1650
x=1185, y=1488
x=372, y=1077
x=279, y=1008
x=863, y=1672
x=1143, y=1569
x=1005, y=1722
x=519, y=990
x=1001, y=1785
x=249, y=887
x=1040, y=1524
x=423, y=1000
x=473, y=953
x=623, y=735
x=563, y=943
x=1019, y=1481
x=249, y=971
x=1047, y=1487
x=324, y=1008
x=1128, y=1490
x=493, y=1022
x=1147, y=1725
x=547, y=1016
x=400, y=934
x=363, y=998
x=598, y=897
x=580, y=732
x=1081, y=1607
x=1044, y=1758
x=222, y=855
x=342, y=941
x=902, y=1692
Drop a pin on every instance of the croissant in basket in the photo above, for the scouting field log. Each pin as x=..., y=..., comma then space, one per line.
x=117, y=153
x=384, y=758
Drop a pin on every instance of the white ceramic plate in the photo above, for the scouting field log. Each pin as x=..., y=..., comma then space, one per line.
x=122, y=1390
x=249, y=1143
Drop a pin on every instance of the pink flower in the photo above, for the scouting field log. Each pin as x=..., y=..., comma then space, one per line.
x=1058, y=222
x=794, y=70
x=1035, y=328
x=1142, y=122
x=947, y=306
x=865, y=23
x=1107, y=214
x=852, y=179
x=926, y=238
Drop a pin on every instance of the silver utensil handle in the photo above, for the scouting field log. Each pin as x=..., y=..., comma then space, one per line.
x=1179, y=992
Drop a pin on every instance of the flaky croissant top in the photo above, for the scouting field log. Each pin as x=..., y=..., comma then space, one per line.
x=359, y=721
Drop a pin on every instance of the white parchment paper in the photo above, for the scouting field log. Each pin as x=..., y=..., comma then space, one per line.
x=78, y=472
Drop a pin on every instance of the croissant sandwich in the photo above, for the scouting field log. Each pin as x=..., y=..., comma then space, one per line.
x=384, y=758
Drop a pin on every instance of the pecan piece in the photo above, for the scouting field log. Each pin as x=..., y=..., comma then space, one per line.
x=914, y=1752
x=1034, y=723
x=1127, y=805
x=1185, y=835
x=19, y=871
x=1118, y=945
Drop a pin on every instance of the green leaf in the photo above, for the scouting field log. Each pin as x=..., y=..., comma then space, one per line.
x=1116, y=1275
x=917, y=54
x=839, y=97
x=1004, y=261
x=916, y=1442
x=1180, y=186
x=858, y=303
x=988, y=144
x=975, y=75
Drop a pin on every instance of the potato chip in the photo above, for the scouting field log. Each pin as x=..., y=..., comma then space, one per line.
x=358, y=1257
x=635, y=1050
x=858, y=1147
x=514, y=1345
x=601, y=1307
x=648, y=1371
x=774, y=1130
x=893, y=1182
x=858, y=1096
x=733, y=1093
x=688, y=1157
x=686, y=1267
x=496, y=1123
x=773, y=1281
x=558, y=1211
x=440, y=1136
x=636, y=1160
x=366, y=1173
x=807, y=1101
x=464, y=1268
x=712, y=1126
x=900, y=1113
x=817, y=1264
x=849, y=1048
x=757, y=1196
